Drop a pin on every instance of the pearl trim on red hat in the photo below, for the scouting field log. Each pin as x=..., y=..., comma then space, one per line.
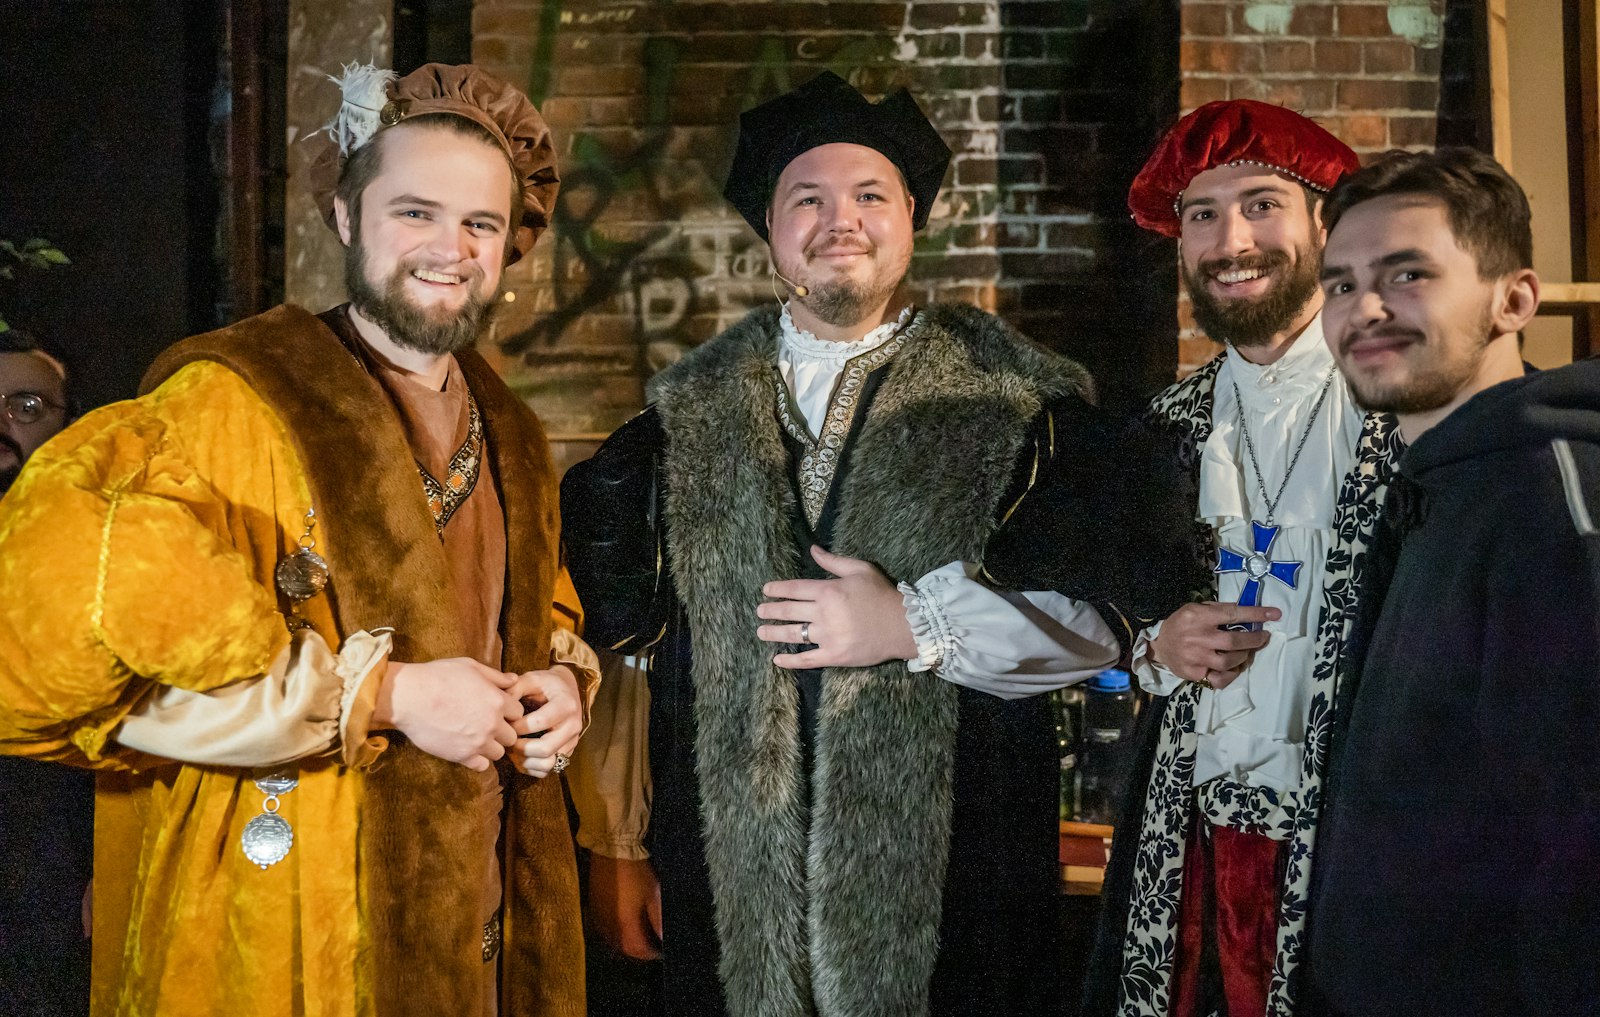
x=1177, y=203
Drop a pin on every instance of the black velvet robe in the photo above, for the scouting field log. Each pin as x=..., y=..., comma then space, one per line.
x=1068, y=517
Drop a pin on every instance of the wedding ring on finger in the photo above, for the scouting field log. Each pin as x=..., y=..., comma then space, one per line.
x=562, y=759
x=805, y=632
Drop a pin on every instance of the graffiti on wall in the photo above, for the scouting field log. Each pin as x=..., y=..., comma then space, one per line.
x=631, y=229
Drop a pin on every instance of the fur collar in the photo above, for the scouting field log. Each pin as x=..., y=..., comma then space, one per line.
x=836, y=913
x=387, y=568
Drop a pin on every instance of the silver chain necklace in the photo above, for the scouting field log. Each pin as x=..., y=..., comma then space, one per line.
x=1250, y=446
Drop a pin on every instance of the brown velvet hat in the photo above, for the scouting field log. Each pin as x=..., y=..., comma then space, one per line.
x=464, y=91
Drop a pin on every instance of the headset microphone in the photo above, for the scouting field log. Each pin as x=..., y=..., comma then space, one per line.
x=799, y=290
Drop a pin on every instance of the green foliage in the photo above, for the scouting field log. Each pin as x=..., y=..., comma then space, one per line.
x=35, y=253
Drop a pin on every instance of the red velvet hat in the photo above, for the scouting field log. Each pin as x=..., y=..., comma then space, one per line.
x=1228, y=133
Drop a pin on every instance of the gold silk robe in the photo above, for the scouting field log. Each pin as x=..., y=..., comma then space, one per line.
x=137, y=550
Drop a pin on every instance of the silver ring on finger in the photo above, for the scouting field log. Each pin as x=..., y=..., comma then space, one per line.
x=562, y=759
x=805, y=632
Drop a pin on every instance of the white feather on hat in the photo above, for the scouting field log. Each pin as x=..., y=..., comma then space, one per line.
x=365, y=91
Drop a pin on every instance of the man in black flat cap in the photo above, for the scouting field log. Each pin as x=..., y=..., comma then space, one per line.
x=882, y=528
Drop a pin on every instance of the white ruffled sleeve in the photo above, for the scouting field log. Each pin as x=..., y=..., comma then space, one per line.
x=1007, y=644
x=1153, y=677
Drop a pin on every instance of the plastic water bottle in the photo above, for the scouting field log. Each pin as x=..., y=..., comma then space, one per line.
x=1107, y=744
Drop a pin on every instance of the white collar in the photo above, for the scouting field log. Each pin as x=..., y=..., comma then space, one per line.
x=1305, y=362
x=800, y=345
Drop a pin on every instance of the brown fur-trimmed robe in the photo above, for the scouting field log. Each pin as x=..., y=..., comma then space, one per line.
x=417, y=820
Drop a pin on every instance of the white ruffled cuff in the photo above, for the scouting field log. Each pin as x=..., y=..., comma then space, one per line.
x=1004, y=642
x=361, y=665
x=1153, y=678
x=930, y=627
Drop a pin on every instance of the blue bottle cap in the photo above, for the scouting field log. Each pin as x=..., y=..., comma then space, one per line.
x=1110, y=680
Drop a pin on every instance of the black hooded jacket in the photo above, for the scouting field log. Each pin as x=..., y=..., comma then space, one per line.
x=1455, y=872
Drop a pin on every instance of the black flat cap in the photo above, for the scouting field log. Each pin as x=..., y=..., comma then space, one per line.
x=826, y=110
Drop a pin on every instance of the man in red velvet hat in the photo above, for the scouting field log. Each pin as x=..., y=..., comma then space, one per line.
x=1204, y=906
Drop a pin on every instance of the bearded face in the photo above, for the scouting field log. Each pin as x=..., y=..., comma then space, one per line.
x=426, y=239
x=436, y=329
x=840, y=225
x=1291, y=283
x=1251, y=244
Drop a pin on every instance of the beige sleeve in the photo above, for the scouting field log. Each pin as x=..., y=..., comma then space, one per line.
x=310, y=702
x=610, y=773
x=567, y=648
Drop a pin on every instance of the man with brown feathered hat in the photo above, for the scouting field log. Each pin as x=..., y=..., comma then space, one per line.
x=301, y=607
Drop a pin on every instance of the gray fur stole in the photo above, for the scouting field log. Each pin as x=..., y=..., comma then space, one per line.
x=837, y=914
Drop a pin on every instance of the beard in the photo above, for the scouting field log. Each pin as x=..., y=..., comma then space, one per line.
x=1433, y=383
x=845, y=301
x=434, y=331
x=1254, y=321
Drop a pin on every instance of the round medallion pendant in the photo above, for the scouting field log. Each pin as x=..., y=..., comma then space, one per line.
x=267, y=839
x=301, y=575
x=1257, y=566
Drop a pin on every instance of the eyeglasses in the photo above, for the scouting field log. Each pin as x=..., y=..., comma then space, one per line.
x=27, y=407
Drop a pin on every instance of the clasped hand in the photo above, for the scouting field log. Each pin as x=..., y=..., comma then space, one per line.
x=854, y=620
x=465, y=712
x=1193, y=645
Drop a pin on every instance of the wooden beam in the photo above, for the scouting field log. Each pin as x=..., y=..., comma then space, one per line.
x=1569, y=293
x=1588, y=130
x=1500, y=82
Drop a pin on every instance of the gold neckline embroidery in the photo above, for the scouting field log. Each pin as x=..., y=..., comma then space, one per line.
x=819, y=462
x=444, y=498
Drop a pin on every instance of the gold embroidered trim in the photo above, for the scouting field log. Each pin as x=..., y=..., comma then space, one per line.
x=491, y=938
x=820, y=460
x=445, y=498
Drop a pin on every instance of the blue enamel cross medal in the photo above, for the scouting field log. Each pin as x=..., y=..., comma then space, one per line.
x=1256, y=566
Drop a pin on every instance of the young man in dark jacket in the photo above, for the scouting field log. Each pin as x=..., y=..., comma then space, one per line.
x=1462, y=827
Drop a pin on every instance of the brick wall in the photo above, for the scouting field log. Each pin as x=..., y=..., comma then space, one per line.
x=1049, y=105
x=1368, y=70
x=645, y=259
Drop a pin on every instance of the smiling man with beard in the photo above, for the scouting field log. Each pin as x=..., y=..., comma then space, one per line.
x=1462, y=830
x=1204, y=902
x=854, y=778
x=300, y=606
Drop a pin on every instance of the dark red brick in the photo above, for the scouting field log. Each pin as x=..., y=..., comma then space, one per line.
x=1286, y=56
x=1220, y=57
x=1337, y=57
x=1388, y=57
x=1363, y=20
x=1205, y=20
x=1379, y=94
x=1413, y=132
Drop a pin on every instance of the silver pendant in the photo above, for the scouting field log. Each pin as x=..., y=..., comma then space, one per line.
x=279, y=782
x=302, y=575
x=267, y=839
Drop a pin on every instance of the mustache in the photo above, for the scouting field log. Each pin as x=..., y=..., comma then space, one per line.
x=839, y=245
x=1380, y=332
x=470, y=271
x=1267, y=260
